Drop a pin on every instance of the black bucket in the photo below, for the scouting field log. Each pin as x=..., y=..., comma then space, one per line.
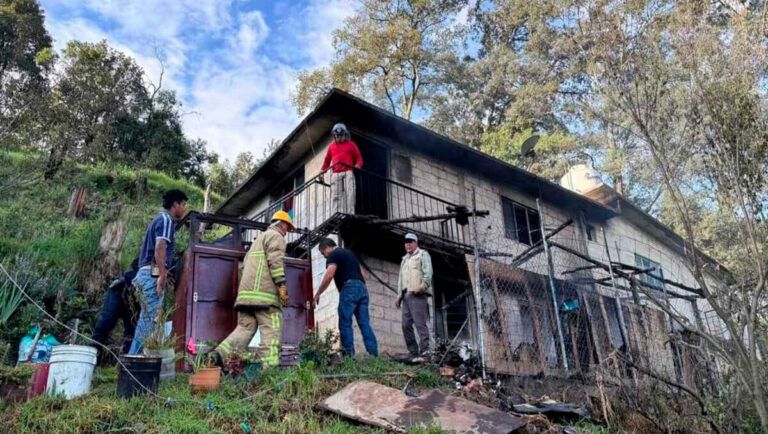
x=145, y=369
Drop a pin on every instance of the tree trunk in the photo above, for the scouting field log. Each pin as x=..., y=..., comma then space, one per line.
x=107, y=264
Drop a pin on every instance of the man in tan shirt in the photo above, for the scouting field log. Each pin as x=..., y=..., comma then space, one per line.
x=415, y=282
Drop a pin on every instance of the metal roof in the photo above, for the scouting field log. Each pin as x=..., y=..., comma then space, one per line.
x=360, y=115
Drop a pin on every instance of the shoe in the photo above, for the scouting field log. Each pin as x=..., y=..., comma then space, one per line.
x=417, y=359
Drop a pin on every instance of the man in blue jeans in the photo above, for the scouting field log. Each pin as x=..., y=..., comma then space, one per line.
x=343, y=268
x=155, y=259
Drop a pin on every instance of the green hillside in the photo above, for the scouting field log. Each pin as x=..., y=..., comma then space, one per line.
x=52, y=253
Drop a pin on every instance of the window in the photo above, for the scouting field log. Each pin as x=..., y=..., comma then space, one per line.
x=655, y=278
x=520, y=222
x=590, y=232
x=401, y=166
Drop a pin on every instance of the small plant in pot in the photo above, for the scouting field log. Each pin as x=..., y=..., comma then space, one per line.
x=206, y=376
x=244, y=365
x=161, y=344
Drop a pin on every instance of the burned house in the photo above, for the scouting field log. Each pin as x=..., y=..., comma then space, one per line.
x=562, y=274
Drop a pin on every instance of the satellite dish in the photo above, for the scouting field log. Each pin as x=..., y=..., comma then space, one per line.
x=526, y=150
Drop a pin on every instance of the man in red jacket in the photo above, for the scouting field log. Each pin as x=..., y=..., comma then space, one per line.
x=342, y=157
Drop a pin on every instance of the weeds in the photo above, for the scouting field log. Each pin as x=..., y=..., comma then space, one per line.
x=280, y=401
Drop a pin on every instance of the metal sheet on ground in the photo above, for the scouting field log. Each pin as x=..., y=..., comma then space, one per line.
x=389, y=408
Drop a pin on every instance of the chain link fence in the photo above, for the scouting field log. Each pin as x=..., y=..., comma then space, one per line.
x=558, y=298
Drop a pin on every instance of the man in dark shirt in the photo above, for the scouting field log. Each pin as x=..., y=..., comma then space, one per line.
x=343, y=268
x=155, y=259
x=116, y=307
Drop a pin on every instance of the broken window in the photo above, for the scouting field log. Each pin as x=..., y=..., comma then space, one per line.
x=653, y=278
x=520, y=222
x=401, y=166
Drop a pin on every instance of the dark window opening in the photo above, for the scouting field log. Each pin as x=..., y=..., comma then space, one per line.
x=654, y=278
x=402, y=168
x=520, y=222
x=287, y=186
x=590, y=232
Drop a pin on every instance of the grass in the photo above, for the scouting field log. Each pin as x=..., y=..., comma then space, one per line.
x=280, y=401
x=33, y=211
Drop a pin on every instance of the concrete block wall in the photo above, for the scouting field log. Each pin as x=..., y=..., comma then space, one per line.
x=386, y=319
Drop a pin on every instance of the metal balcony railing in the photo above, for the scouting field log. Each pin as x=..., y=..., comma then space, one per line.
x=379, y=199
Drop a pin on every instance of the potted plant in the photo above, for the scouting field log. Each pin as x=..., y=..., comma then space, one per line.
x=161, y=344
x=206, y=377
x=245, y=365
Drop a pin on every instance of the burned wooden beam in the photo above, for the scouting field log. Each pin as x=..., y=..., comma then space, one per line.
x=535, y=247
x=623, y=274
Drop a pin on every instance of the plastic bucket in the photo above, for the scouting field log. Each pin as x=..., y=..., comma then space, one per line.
x=168, y=367
x=145, y=370
x=71, y=370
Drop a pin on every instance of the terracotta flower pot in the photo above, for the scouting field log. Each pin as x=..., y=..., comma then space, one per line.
x=205, y=380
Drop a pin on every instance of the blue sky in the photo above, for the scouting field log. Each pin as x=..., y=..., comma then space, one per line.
x=232, y=62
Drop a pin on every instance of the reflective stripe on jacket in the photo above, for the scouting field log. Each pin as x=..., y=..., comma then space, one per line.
x=416, y=272
x=264, y=270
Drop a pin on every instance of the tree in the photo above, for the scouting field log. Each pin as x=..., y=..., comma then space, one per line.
x=690, y=90
x=25, y=60
x=243, y=167
x=553, y=155
x=390, y=52
x=98, y=88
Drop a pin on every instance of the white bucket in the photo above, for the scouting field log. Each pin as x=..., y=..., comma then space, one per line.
x=71, y=370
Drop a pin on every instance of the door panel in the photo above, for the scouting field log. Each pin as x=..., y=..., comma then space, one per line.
x=212, y=320
x=215, y=278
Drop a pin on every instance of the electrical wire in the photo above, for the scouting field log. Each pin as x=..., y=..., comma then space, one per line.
x=168, y=400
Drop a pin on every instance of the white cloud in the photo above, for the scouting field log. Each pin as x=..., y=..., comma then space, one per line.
x=233, y=69
x=252, y=31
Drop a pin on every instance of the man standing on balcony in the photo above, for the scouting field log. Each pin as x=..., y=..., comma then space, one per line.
x=342, y=157
x=415, y=282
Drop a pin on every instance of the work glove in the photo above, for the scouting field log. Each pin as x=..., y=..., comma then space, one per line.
x=282, y=292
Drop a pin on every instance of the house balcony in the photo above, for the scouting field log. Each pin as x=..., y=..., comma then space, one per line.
x=381, y=205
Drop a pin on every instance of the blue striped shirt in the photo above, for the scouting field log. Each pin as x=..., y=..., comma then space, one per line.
x=161, y=227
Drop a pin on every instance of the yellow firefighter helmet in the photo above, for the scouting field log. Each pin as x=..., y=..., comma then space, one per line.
x=283, y=217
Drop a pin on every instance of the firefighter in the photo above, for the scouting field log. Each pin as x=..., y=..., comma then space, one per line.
x=261, y=293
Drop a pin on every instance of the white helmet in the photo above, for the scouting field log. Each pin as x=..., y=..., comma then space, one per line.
x=340, y=129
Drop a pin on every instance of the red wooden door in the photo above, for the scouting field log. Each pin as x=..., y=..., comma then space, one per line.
x=206, y=293
x=297, y=316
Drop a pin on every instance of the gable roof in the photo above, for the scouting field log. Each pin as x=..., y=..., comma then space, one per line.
x=360, y=115
x=635, y=215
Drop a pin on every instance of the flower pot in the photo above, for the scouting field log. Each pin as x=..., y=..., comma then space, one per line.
x=168, y=368
x=144, y=375
x=39, y=380
x=205, y=380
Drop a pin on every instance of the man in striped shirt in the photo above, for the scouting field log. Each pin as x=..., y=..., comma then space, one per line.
x=155, y=260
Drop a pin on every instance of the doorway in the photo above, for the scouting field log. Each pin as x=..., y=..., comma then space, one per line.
x=371, y=192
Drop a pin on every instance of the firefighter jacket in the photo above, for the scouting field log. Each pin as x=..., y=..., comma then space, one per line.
x=264, y=271
x=416, y=272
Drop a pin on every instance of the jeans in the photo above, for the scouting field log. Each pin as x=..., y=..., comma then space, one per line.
x=150, y=303
x=353, y=300
x=115, y=308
